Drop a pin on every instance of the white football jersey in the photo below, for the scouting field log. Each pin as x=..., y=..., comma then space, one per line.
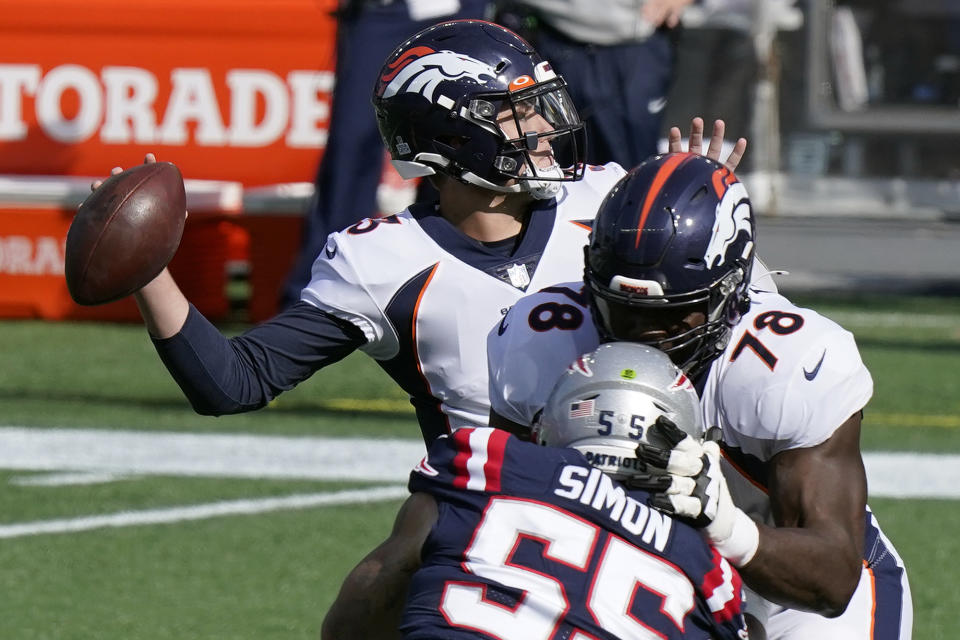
x=529, y=351
x=425, y=295
x=788, y=378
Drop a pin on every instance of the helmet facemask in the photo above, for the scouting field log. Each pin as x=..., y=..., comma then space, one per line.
x=691, y=344
x=534, y=134
x=544, y=139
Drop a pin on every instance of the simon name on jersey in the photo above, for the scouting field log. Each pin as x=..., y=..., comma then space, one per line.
x=593, y=488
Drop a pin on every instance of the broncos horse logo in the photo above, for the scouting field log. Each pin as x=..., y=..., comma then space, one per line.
x=733, y=216
x=421, y=70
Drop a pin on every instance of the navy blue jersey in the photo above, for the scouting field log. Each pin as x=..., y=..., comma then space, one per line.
x=532, y=543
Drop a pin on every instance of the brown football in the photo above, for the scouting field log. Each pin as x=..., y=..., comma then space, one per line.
x=125, y=233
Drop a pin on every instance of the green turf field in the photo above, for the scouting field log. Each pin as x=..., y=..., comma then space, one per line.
x=272, y=572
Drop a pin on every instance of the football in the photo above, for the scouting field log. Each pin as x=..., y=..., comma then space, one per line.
x=125, y=233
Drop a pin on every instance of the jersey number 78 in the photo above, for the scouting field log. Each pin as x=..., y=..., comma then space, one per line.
x=781, y=323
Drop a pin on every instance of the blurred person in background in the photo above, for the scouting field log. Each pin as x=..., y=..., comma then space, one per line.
x=617, y=55
x=716, y=62
x=352, y=162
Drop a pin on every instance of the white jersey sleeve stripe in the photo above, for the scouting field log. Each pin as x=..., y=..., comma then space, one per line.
x=723, y=593
x=479, y=460
x=477, y=480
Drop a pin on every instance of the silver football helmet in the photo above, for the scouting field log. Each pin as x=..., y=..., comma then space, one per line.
x=606, y=401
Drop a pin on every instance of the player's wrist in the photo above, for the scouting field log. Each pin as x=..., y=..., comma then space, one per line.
x=741, y=544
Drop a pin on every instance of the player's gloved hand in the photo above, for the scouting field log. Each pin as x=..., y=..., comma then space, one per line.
x=697, y=490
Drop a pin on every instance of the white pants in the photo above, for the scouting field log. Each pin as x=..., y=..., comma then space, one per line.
x=877, y=611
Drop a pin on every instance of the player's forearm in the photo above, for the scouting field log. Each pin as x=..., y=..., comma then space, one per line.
x=371, y=600
x=370, y=605
x=359, y=621
x=162, y=305
x=805, y=569
x=210, y=372
x=814, y=558
x=221, y=376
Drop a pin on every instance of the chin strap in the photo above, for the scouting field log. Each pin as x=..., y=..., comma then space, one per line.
x=545, y=189
x=539, y=189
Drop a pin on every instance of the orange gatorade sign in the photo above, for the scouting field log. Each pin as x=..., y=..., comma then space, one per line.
x=235, y=92
x=228, y=90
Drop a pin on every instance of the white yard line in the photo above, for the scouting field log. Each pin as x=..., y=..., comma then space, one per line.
x=893, y=319
x=103, y=452
x=202, y=511
x=68, y=478
x=87, y=455
x=208, y=455
x=912, y=475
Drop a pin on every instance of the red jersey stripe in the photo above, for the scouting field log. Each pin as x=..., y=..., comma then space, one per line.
x=461, y=438
x=723, y=589
x=496, y=448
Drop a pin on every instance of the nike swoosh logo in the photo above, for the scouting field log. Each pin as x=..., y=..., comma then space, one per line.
x=810, y=375
x=331, y=253
x=656, y=105
x=503, y=326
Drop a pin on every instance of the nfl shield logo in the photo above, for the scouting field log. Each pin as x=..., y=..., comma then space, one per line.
x=519, y=277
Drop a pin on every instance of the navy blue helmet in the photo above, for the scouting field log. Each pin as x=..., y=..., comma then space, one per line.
x=670, y=257
x=473, y=100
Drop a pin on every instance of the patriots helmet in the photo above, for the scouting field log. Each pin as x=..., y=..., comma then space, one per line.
x=472, y=100
x=606, y=401
x=670, y=258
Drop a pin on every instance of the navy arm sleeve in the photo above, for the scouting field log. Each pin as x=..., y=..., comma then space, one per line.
x=222, y=376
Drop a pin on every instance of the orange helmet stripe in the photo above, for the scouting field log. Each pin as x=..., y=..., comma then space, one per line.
x=666, y=169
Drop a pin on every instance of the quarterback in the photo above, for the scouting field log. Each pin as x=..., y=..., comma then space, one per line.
x=471, y=106
x=671, y=264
